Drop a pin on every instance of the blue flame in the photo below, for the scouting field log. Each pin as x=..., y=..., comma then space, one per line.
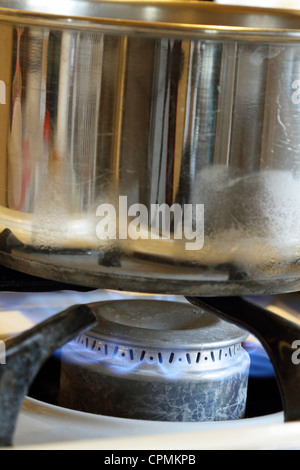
x=260, y=364
x=90, y=352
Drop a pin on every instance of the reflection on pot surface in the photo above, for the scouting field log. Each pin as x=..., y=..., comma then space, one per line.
x=198, y=137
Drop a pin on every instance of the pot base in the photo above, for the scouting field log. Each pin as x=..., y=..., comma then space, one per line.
x=113, y=270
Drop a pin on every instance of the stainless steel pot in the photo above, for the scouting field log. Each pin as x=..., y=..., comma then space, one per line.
x=151, y=146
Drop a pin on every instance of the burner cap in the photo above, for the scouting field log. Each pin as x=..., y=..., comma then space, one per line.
x=156, y=322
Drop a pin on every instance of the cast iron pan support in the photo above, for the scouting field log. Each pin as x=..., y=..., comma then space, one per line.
x=276, y=332
x=23, y=356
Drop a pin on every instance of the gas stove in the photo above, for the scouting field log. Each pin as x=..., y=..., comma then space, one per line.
x=43, y=423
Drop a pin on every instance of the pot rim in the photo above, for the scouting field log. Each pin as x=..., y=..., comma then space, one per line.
x=155, y=18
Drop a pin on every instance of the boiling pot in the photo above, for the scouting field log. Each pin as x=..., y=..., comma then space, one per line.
x=151, y=146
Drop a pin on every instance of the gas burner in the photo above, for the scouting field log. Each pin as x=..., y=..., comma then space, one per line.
x=156, y=360
x=43, y=424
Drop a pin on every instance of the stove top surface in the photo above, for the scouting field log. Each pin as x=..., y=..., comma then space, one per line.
x=43, y=426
